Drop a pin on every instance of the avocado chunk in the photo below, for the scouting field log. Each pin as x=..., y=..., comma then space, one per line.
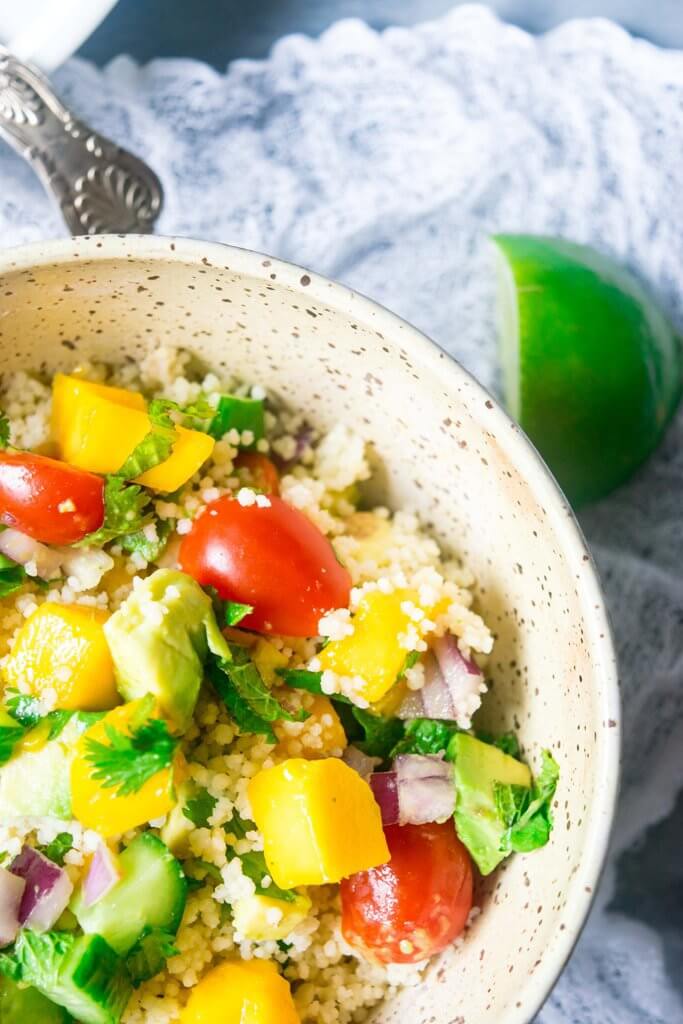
x=159, y=640
x=478, y=767
x=82, y=974
x=21, y=1005
x=176, y=830
x=35, y=781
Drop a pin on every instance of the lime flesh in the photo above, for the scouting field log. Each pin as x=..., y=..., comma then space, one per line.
x=592, y=369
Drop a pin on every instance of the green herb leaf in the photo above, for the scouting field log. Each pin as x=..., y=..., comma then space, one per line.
x=127, y=509
x=149, y=954
x=233, y=413
x=12, y=575
x=59, y=847
x=127, y=762
x=206, y=870
x=9, y=737
x=246, y=696
x=234, y=612
x=24, y=709
x=412, y=658
x=303, y=679
x=374, y=735
x=527, y=813
x=193, y=416
x=200, y=808
x=151, y=550
x=155, y=448
x=253, y=863
x=507, y=742
x=4, y=430
x=425, y=736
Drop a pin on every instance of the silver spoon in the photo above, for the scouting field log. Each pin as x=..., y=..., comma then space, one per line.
x=100, y=187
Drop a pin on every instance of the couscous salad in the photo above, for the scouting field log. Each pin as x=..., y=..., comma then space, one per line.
x=239, y=779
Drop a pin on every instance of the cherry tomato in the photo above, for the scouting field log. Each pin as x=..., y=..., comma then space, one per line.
x=49, y=500
x=273, y=558
x=262, y=471
x=414, y=905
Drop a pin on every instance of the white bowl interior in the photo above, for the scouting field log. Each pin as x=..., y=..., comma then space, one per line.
x=447, y=452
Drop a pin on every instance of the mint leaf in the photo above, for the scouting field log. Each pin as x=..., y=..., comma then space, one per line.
x=149, y=954
x=253, y=863
x=59, y=847
x=238, y=826
x=12, y=575
x=246, y=696
x=375, y=735
x=425, y=736
x=200, y=808
x=4, y=430
x=527, y=813
x=151, y=550
x=155, y=448
x=234, y=612
x=233, y=413
x=507, y=742
x=304, y=679
x=126, y=510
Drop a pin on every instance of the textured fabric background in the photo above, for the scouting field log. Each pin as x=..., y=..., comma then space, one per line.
x=384, y=161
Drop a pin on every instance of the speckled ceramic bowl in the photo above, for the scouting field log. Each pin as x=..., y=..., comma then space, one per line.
x=447, y=451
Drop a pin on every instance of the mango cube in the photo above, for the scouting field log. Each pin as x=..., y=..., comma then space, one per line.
x=97, y=427
x=62, y=648
x=265, y=919
x=103, y=808
x=319, y=820
x=241, y=992
x=268, y=659
x=374, y=650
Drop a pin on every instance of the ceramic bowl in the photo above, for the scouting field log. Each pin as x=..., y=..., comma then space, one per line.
x=445, y=450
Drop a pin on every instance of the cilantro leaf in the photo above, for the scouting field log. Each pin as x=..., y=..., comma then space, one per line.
x=24, y=709
x=246, y=696
x=527, y=813
x=128, y=761
x=234, y=612
x=4, y=430
x=425, y=736
x=59, y=847
x=149, y=954
x=126, y=510
x=235, y=413
x=200, y=808
x=151, y=550
x=238, y=826
x=12, y=575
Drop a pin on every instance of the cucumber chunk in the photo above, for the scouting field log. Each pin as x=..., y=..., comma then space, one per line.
x=82, y=974
x=20, y=1005
x=150, y=895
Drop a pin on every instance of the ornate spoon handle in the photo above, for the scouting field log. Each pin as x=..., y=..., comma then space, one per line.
x=100, y=187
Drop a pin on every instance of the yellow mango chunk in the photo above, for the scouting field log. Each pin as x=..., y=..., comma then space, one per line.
x=265, y=919
x=319, y=820
x=373, y=651
x=63, y=648
x=243, y=992
x=102, y=808
x=96, y=429
x=320, y=735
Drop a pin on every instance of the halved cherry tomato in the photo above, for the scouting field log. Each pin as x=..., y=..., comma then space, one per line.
x=49, y=500
x=273, y=558
x=414, y=905
x=262, y=471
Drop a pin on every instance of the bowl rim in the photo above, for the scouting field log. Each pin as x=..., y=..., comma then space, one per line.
x=518, y=447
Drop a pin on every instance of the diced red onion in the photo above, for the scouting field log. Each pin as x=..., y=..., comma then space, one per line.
x=360, y=762
x=426, y=791
x=385, y=791
x=452, y=687
x=103, y=874
x=420, y=789
x=11, y=892
x=48, y=889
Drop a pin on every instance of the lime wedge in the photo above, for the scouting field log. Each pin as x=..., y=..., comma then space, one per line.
x=592, y=369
